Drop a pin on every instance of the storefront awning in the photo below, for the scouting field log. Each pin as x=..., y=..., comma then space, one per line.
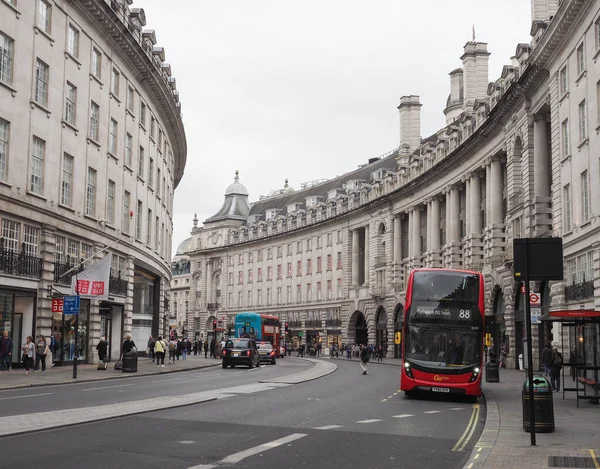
x=572, y=314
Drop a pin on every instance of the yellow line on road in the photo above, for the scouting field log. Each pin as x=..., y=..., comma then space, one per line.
x=596, y=462
x=468, y=433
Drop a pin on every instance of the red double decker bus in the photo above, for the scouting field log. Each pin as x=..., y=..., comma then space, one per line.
x=443, y=332
x=262, y=327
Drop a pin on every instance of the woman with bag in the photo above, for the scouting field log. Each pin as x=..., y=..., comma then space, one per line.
x=41, y=351
x=555, y=368
x=28, y=354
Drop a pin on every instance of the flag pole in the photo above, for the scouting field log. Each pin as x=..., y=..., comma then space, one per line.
x=83, y=261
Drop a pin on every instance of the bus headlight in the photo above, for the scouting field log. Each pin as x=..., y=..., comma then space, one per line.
x=408, y=370
x=474, y=374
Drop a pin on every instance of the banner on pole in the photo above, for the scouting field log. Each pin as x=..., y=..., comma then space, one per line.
x=93, y=282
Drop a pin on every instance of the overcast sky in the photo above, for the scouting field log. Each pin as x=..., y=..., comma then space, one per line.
x=308, y=89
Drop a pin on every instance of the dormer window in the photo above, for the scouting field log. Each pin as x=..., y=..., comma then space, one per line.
x=311, y=201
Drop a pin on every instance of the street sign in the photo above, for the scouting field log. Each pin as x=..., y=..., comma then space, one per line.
x=534, y=299
x=57, y=305
x=71, y=305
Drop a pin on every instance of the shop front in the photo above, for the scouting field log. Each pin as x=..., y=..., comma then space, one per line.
x=111, y=325
x=17, y=317
x=70, y=335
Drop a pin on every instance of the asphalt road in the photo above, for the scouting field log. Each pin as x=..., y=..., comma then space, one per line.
x=41, y=399
x=344, y=420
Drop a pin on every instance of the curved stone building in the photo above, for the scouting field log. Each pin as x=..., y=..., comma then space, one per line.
x=517, y=158
x=92, y=147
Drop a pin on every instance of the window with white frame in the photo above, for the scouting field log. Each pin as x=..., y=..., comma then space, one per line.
x=565, y=137
x=11, y=231
x=42, y=72
x=44, y=20
x=59, y=249
x=128, y=149
x=141, y=163
x=90, y=193
x=567, y=206
x=115, y=78
x=563, y=83
x=142, y=113
x=110, y=202
x=597, y=33
x=152, y=126
x=580, y=269
x=66, y=183
x=112, y=136
x=149, y=228
x=138, y=221
x=96, y=63
x=580, y=59
x=126, y=210
x=71, y=104
x=73, y=41
x=87, y=251
x=582, y=121
x=158, y=182
x=156, y=234
x=36, y=170
x=150, y=171
x=585, y=197
x=30, y=240
x=94, y=120
x=130, y=98
x=298, y=293
x=6, y=58
x=4, y=140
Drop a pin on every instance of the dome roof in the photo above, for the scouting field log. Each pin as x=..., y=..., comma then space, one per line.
x=237, y=187
x=184, y=247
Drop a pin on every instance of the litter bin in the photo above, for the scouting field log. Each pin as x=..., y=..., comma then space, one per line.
x=542, y=404
x=492, y=372
x=130, y=361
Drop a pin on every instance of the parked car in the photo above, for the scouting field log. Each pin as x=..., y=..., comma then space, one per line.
x=240, y=352
x=266, y=353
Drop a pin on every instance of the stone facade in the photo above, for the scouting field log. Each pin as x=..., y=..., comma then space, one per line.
x=92, y=148
x=504, y=167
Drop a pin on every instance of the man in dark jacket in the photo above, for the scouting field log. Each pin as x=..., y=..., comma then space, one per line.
x=102, y=348
x=547, y=358
x=6, y=346
x=364, y=358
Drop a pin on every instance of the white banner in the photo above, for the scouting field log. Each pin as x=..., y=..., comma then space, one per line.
x=93, y=281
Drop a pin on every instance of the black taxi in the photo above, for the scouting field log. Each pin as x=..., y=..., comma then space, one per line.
x=240, y=352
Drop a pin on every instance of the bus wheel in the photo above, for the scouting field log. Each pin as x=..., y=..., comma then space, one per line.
x=409, y=394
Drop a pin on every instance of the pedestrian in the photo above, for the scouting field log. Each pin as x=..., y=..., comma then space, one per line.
x=41, y=351
x=150, y=347
x=102, y=349
x=206, y=348
x=172, y=350
x=159, y=351
x=364, y=358
x=28, y=354
x=546, y=358
x=182, y=349
x=128, y=344
x=555, y=368
x=6, y=346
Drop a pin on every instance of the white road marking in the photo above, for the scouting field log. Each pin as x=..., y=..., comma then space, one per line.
x=237, y=457
x=402, y=416
x=186, y=442
x=328, y=427
x=108, y=387
x=170, y=379
x=432, y=412
x=456, y=408
x=28, y=395
x=368, y=421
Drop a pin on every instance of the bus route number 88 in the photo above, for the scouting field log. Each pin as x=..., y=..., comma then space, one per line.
x=464, y=314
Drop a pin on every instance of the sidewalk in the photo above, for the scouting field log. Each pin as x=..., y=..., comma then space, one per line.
x=64, y=374
x=504, y=444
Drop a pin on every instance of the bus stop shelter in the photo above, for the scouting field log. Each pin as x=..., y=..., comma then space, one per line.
x=579, y=339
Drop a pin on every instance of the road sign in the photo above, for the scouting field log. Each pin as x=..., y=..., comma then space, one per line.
x=71, y=305
x=534, y=299
x=57, y=305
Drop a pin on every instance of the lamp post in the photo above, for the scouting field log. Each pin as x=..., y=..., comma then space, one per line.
x=78, y=300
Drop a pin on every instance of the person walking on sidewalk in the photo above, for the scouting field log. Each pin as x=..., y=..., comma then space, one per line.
x=555, y=368
x=6, y=346
x=160, y=348
x=41, y=351
x=28, y=354
x=102, y=349
x=364, y=358
x=546, y=358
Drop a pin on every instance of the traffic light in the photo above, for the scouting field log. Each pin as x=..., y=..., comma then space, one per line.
x=214, y=325
x=286, y=328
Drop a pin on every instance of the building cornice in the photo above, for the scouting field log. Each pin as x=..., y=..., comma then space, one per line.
x=100, y=14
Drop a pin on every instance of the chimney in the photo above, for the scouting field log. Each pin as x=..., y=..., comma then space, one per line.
x=475, y=72
x=410, y=122
x=541, y=10
x=455, y=100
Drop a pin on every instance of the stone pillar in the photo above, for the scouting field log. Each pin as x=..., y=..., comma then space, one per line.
x=467, y=182
x=43, y=319
x=542, y=219
x=209, y=282
x=448, y=194
x=355, y=256
x=397, y=241
x=455, y=215
x=367, y=256
x=435, y=225
x=496, y=192
x=488, y=195
x=128, y=310
x=474, y=198
x=416, y=232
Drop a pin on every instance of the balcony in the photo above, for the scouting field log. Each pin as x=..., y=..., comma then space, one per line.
x=378, y=292
x=379, y=261
x=212, y=306
x=333, y=323
x=295, y=324
x=117, y=286
x=313, y=323
x=579, y=291
x=20, y=265
x=60, y=269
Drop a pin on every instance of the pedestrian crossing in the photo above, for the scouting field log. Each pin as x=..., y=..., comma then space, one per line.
x=399, y=416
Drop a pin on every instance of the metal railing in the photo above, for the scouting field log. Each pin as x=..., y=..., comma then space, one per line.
x=333, y=322
x=117, y=286
x=212, y=306
x=378, y=292
x=61, y=268
x=313, y=323
x=579, y=291
x=21, y=265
